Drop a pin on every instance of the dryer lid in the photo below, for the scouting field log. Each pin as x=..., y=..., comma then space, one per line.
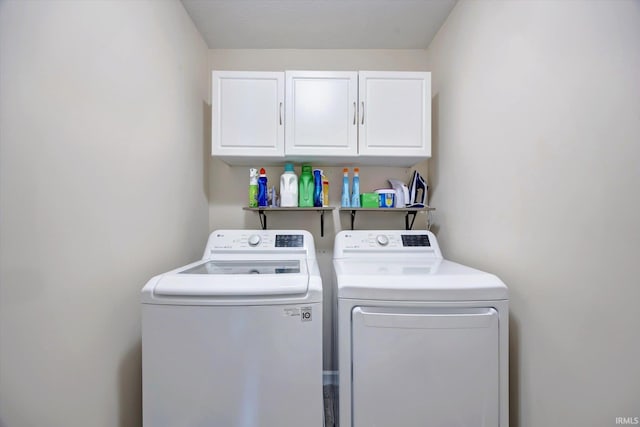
x=415, y=280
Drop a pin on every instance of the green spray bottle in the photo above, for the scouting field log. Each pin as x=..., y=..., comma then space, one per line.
x=253, y=188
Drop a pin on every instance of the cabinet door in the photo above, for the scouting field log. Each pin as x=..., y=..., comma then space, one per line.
x=248, y=114
x=395, y=114
x=321, y=114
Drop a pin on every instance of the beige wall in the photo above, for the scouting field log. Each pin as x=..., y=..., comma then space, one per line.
x=535, y=172
x=229, y=184
x=318, y=59
x=104, y=157
x=102, y=185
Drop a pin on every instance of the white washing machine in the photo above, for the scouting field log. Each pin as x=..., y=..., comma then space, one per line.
x=421, y=341
x=235, y=339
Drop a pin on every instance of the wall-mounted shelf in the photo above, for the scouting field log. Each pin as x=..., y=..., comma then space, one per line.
x=262, y=212
x=408, y=212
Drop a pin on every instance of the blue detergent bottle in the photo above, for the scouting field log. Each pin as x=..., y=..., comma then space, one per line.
x=263, y=191
x=317, y=188
x=345, y=202
x=355, y=198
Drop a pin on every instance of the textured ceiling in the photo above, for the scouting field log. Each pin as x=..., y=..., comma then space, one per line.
x=318, y=24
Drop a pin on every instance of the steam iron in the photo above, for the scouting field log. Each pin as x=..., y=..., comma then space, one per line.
x=417, y=191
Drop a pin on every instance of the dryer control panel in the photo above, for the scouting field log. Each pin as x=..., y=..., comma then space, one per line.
x=387, y=242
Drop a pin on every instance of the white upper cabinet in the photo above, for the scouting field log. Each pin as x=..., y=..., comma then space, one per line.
x=247, y=115
x=395, y=115
x=328, y=118
x=321, y=115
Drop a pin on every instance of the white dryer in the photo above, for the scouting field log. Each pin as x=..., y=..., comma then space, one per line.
x=421, y=341
x=235, y=339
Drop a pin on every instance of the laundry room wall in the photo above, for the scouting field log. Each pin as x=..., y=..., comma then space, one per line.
x=103, y=146
x=228, y=185
x=535, y=174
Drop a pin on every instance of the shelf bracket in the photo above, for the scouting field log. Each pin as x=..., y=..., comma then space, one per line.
x=263, y=219
x=262, y=214
x=353, y=218
x=413, y=214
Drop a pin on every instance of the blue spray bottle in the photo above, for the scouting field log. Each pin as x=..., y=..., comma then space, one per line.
x=355, y=198
x=263, y=191
x=345, y=202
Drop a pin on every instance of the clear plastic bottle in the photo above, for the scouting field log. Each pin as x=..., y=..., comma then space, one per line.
x=355, y=197
x=253, y=188
x=345, y=202
x=289, y=187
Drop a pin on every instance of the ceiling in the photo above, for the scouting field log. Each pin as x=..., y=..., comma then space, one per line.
x=318, y=24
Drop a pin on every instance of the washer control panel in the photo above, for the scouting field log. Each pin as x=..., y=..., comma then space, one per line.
x=250, y=240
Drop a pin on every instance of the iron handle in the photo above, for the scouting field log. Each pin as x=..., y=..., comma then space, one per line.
x=281, y=114
x=362, y=104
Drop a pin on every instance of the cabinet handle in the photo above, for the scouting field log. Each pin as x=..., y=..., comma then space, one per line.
x=362, y=104
x=355, y=109
x=281, y=114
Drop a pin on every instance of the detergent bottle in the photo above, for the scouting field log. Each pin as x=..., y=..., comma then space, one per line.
x=345, y=202
x=325, y=190
x=317, y=188
x=305, y=188
x=355, y=198
x=253, y=188
x=263, y=191
x=288, y=187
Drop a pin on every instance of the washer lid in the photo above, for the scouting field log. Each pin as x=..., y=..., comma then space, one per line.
x=245, y=267
x=415, y=280
x=211, y=278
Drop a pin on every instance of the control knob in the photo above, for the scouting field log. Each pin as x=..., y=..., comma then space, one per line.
x=382, y=240
x=254, y=240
